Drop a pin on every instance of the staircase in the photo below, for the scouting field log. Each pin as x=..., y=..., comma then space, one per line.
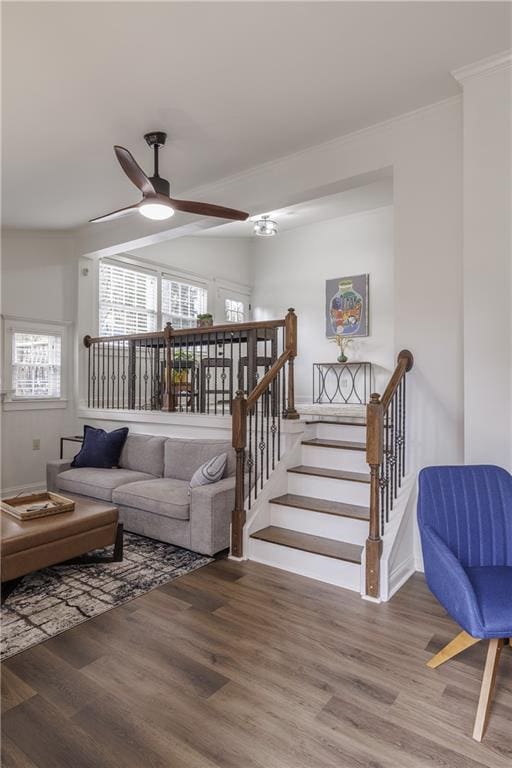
x=318, y=528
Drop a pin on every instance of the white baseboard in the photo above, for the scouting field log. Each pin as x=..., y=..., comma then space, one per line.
x=27, y=487
x=400, y=575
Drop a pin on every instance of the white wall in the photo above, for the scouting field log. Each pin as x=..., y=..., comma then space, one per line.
x=38, y=282
x=220, y=261
x=291, y=269
x=487, y=265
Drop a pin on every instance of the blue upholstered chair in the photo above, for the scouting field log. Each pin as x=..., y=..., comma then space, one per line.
x=465, y=521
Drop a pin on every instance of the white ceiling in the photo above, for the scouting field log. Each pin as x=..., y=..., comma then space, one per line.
x=349, y=201
x=234, y=84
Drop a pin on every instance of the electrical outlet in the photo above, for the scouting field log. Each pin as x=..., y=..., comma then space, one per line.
x=36, y=444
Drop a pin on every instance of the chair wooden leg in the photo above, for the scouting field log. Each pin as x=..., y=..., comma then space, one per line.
x=454, y=647
x=487, y=689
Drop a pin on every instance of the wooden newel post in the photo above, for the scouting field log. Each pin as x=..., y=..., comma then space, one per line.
x=291, y=346
x=239, y=426
x=374, y=456
x=168, y=399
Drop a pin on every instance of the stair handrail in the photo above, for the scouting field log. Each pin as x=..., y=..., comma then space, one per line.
x=276, y=393
x=385, y=454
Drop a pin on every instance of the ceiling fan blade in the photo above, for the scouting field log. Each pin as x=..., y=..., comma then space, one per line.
x=207, y=209
x=134, y=171
x=115, y=214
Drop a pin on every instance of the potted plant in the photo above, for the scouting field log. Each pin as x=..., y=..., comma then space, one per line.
x=183, y=361
x=205, y=320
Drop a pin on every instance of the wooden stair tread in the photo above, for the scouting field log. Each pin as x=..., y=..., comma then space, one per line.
x=325, y=506
x=317, y=545
x=358, y=422
x=349, y=445
x=335, y=474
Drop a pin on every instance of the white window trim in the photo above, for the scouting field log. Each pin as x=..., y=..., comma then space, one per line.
x=13, y=324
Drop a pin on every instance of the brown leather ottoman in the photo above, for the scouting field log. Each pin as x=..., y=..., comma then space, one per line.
x=33, y=544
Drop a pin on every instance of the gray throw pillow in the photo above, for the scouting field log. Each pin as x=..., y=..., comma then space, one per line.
x=210, y=472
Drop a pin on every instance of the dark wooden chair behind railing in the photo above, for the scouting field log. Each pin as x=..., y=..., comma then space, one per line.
x=386, y=456
x=257, y=429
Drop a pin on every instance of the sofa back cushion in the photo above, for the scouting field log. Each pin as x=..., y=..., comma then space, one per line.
x=184, y=456
x=144, y=453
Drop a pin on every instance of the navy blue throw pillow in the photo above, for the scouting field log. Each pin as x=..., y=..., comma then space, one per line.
x=100, y=449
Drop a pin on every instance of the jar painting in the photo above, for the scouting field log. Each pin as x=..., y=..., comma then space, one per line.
x=347, y=309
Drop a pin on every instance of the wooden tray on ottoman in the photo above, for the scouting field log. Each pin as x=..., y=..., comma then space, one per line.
x=20, y=507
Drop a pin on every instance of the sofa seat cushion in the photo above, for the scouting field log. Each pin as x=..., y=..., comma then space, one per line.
x=97, y=483
x=163, y=496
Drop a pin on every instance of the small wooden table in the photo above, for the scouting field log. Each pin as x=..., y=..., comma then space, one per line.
x=71, y=439
x=63, y=539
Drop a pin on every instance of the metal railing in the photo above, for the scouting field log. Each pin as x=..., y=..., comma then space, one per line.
x=196, y=370
x=386, y=456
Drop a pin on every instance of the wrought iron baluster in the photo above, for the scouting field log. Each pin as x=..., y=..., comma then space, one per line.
x=283, y=393
x=278, y=401
x=267, y=416
x=255, y=450
x=118, y=372
x=102, y=374
x=145, y=374
x=386, y=461
x=215, y=390
x=89, y=377
x=261, y=445
x=123, y=377
x=93, y=381
x=250, y=459
x=404, y=429
x=232, y=372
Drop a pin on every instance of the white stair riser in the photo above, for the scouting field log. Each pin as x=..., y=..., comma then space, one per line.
x=319, y=524
x=328, y=488
x=327, y=569
x=339, y=432
x=334, y=458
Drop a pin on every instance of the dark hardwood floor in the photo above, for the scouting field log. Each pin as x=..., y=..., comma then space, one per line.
x=244, y=666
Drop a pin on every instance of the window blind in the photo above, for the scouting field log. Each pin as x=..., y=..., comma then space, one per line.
x=182, y=302
x=36, y=365
x=127, y=300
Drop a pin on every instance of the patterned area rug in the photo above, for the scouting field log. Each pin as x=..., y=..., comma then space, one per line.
x=50, y=601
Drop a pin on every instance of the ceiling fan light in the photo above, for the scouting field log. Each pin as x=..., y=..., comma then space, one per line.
x=265, y=227
x=156, y=211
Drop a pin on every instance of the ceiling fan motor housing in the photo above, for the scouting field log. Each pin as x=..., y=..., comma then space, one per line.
x=161, y=186
x=156, y=137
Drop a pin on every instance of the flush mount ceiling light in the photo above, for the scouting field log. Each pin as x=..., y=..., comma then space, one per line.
x=265, y=227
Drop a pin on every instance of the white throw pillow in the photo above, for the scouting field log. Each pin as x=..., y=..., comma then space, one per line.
x=210, y=472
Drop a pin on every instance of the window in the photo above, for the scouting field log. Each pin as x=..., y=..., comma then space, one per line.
x=36, y=364
x=181, y=303
x=127, y=300
x=135, y=300
x=233, y=311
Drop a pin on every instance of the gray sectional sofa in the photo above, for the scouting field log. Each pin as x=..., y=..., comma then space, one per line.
x=151, y=490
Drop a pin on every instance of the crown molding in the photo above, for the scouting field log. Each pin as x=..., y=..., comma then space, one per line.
x=483, y=67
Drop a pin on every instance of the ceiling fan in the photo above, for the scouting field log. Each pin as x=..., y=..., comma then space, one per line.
x=156, y=202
